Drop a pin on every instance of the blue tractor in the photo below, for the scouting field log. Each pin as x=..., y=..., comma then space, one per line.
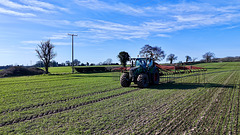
x=143, y=72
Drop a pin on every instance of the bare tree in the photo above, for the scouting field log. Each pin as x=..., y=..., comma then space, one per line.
x=208, y=56
x=188, y=58
x=157, y=52
x=171, y=58
x=108, y=61
x=194, y=59
x=123, y=57
x=45, y=53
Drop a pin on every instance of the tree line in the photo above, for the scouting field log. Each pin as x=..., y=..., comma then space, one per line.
x=76, y=62
x=158, y=54
x=46, y=55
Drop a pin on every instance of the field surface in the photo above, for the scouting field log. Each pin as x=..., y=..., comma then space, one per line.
x=95, y=103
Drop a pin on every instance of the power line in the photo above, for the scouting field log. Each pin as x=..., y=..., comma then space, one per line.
x=72, y=50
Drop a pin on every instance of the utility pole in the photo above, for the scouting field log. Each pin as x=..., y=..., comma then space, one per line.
x=72, y=50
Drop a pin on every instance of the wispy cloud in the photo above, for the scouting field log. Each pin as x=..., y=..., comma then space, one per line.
x=109, y=30
x=48, y=22
x=100, y=5
x=10, y=12
x=61, y=43
x=15, y=5
x=58, y=36
x=163, y=35
x=231, y=27
x=164, y=19
x=45, y=5
x=31, y=5
x=104, y=25
x=161, y=20
x=31, y=42
x=99, y=29
x=36, y=42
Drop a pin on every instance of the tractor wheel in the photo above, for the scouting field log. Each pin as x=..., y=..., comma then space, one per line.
x=155, y=77
x=124, y=80
x=143, y=81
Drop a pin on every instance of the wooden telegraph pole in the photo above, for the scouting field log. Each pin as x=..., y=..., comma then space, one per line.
x=72, y=50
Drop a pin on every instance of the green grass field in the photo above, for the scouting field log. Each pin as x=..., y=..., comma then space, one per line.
x=95, y=103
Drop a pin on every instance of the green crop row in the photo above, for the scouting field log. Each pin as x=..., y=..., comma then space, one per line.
x=33, y=93
x=96, y=104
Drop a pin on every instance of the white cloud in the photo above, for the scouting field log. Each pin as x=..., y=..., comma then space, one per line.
x=61, y=43
x=100, y=29
x=231, y=27
x=14, y=5
x=163, y=35
x=161, y=20
x=206, y=20
x=48, y=22
x=46, y=5
x=59, y=36
x=10, y=12
x=31, y=42
x=36, y=42
x=108, y=30
x=100, y=5
x=192, y=18
x=104, y=25
x=33, y=5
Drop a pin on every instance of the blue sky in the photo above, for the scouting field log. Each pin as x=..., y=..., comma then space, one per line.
x=106, y=27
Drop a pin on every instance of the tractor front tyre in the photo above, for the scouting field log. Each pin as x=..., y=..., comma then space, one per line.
x=155, y=77
x=142, y=81
x=124, y=80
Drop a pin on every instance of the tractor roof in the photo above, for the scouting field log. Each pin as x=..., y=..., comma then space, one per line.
x=139, y=58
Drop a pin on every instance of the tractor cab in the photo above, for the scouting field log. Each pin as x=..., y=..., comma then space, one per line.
x=144, y=62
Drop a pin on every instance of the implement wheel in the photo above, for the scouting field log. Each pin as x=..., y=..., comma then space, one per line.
x=124, y=80
x=143, y=81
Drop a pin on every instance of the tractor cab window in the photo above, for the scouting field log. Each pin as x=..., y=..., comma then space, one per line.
x=140, y=62
x=149, y=62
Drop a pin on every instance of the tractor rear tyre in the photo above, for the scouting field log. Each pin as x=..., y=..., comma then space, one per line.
x=143, y=81
x=124, y=80
x=155, y=77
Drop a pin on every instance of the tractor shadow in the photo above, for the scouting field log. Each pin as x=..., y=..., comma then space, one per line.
x=188, y=86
